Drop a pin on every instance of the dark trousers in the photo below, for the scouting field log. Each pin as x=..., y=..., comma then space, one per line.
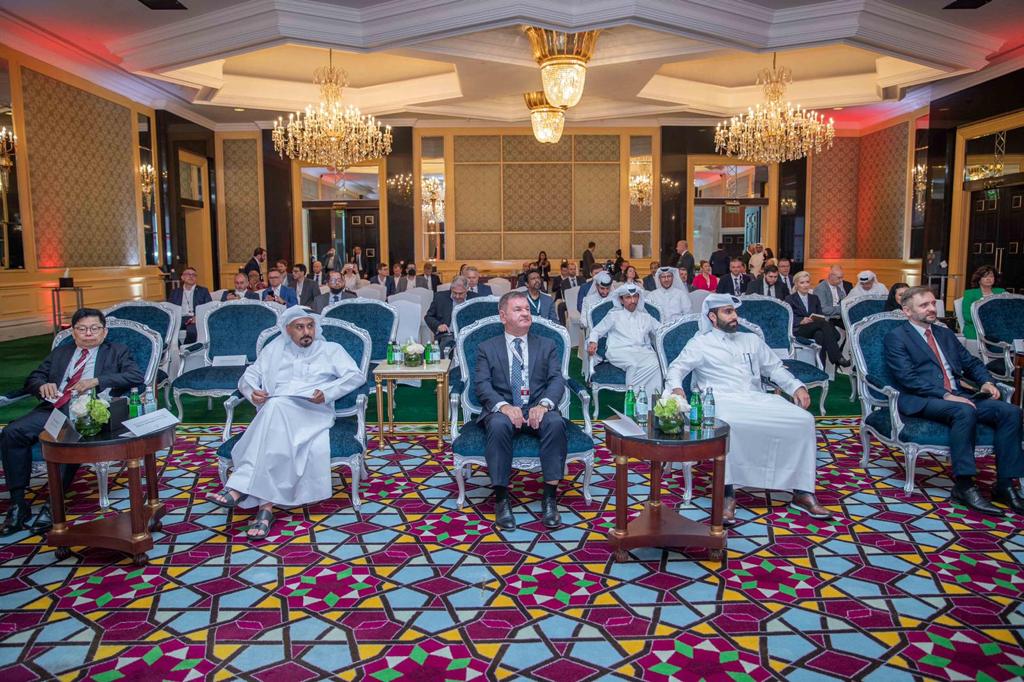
x=16, y=448
x=191, y=333
x=963, y=420
x=554, y=446
x=824, y=334
x=445, y=343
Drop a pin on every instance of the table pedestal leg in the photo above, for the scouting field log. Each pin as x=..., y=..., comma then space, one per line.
x=718, y=506
x=60, y=527
x=138, y=513
x=391, y=408
x=380, y=412
x=152, y=493
x=621, y=503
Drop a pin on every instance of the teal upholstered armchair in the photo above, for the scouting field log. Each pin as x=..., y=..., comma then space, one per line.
x=880, y=417
x=999, y=320
x=599, y=373
x=853, y=310
x=163, y=318
x=468, y=444
x=463, y=315
x=348, y=434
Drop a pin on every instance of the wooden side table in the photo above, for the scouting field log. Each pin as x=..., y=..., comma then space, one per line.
x=125, y=532
x=56, y=310
x=658, y=525
x=389, y=374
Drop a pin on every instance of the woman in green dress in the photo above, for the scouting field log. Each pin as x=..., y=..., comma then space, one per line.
x=982, y=286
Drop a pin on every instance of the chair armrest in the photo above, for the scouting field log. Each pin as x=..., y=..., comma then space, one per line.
x=454, y=398
x=234, y=400
x=13, y=397
x=892, y=395
x=1005, y=391
x=803, y=342
x=192, y=348
x=581, y=392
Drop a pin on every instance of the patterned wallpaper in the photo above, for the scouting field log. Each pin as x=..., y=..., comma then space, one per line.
x=607, y=243
x=537, y=197
x=524, y=148
x=478, y=199
x=82, y=174
x=596, y=196
x=241, y=198
x=834, y=200
x=526, y=246
x=475, y=148
x=472, y=246
x=882, y=192
x=597, y=148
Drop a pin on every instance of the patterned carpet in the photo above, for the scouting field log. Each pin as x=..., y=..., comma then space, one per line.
x=894, y=588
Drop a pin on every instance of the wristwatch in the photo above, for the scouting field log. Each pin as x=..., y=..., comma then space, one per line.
x=547, y=404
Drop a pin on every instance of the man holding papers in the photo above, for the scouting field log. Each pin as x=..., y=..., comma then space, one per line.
x=283, y=458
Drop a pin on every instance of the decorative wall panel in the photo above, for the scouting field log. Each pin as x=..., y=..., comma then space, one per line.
x=524, y=148
x=474, y=148
x=597, y=147
x=882, y=192
x=525, y=245
x=241, y=194
x=607, y=244
x=596, y=196
x=477, y=198
x=833, y=229
x=82, y=174
x=537, y=197
x=472, y=246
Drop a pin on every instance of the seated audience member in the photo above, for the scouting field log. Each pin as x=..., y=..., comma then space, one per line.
x=651, y=279
x=91, y=362
x=305, y=289
x=189, y=296
x=768, y=284
x=283, y=458
x=410, y=281
x=439, y=315
x=359, y=260
x=585, y=288
x=736, y=281
x=336, y=292
x=477, y=287
x=983, y=285
x=277, y=292
x=318, y=276
x=241, y=289
x=785, y=276
x=519, y=384
x=556, y=281
x=809, y=323
x=601, y=287
x=543, y=266
x=929, y=367
x=630, y=329
x=684, y=278
x=541, y=305
x=629, y=274
x=428, y=280
x=255, y=283
x=623, y=271
x=571, y=280
x=830, y=292
x=286, y=276
x=350, y=276
x=396, y=271
x=671, y=296
x=772, y=442
x=892, y=302
x=704, y=280
x=383, y=279
x=867, y=285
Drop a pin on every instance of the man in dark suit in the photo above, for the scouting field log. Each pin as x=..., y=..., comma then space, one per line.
x=512, y=404
x=241, y=289
x=719, y=261
x=736, y=281
x=189, y=296
x=477, y=287
x=305, y=289
x=277, y=292
x=331, y=261
x=650, y=282
x=439, y=315
x=785, y=276
x=684, y=259
x=359, y=260
x=928, y=364
x=335, y=294
x=384, y=279
x=588, y=257
x=571, y=280
x=318, y=276
x=91, y=362
x=259, y=255
x=555, y=286
x=429, y=279
x=768, y=284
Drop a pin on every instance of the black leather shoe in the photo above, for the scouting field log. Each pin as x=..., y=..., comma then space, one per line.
x=972, y=499
x=1009, y=496
x=549, y=508
x=503, y=515
x=43, y=522
x=16, y=519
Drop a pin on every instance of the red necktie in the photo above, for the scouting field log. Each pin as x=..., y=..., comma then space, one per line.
x=76, y=376
x=935, y=349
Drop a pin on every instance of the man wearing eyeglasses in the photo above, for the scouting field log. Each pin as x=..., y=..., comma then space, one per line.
x=91, y=362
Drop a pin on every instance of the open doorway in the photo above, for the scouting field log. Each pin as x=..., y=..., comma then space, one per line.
x=341, y=210
x=194, y=213
x=730, y=203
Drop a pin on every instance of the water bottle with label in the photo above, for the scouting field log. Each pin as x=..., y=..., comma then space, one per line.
x=427, y=354
x=149, y=402
x=695, y=408
x=642, y=408
x=435, y=352
x=391, y=353
x=709, y=409
x=630, y=407
x=134, y=404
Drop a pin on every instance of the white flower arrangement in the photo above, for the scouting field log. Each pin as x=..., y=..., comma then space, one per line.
x=413, y=348
x=675, y=401
x=80, y=405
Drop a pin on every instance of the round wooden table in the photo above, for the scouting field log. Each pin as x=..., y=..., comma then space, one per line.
x=658, y=525
x=126, y=531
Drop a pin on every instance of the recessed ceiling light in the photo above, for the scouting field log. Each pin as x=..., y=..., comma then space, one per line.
x=239, y=109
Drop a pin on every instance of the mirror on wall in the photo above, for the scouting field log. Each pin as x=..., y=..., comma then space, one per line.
x=642, y=195
x=12, y=248
x=148, y=183
x=432, y=193
x=730, y=205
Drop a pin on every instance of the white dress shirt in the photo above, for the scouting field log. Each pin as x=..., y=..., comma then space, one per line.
x=510, y=349
x=188, y=308
x=88, y=372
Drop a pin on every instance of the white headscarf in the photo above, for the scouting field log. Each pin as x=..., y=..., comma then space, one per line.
x=677, y=281
x=297, y=312
x=712, y=302
x=602, y=278
x=628, y=289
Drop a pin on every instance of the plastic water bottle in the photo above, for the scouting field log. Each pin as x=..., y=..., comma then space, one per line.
x=134, y=404
x=149, y=402
x=435, y=352
x=630, y=403
x=642, y=408
x=709, y=410
x=696, y=413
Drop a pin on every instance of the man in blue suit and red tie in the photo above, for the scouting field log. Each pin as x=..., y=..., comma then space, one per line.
x=928, y=364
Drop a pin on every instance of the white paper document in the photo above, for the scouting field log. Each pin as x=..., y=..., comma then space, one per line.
x=54, y=423
x=229, y=360
x=623, y=425
x=149, y=423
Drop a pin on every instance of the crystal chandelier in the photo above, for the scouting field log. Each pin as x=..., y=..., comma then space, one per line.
x=400, y=188
x=547, y=120
x=8, y=141
x=433, y=199
x=776, y=130
x=147, y=178
x=331, y=134
x=920, y=186
x=641, y=185
x=563, y=61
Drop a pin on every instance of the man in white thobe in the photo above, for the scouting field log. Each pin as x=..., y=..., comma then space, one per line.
x=630, y=330
x=670, y=295
x=772, y=442
x=599, y=292
x=867, y=285
x=283, y=458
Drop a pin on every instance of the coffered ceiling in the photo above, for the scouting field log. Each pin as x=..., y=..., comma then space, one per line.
x=467, y=61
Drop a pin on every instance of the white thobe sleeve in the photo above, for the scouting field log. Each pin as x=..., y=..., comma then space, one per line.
x=602, y=328
x=348, y=377
x=252, y=378
x=688, y=360
x=685, y=304
x=772, y=367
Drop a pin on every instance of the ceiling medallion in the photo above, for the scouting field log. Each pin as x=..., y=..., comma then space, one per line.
x=547, y=120
x=563, y=61
x=776, y=130
x=331, y=134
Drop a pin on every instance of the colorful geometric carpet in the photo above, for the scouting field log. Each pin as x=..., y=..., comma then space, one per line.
x=895, y=587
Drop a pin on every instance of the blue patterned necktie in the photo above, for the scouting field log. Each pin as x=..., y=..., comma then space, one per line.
x=517, y=372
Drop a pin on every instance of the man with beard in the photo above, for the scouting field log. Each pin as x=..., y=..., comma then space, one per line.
x=771, y=441
x=336, y=294
x=284, y=457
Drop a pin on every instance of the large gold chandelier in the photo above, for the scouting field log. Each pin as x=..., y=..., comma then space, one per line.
x=547, y=120
x=331, y=134
x=776, y=130
x=563, y=61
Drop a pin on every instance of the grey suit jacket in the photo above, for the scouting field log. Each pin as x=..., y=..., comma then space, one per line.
x=324, y=300
x=309, y=292
x=824, y=293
